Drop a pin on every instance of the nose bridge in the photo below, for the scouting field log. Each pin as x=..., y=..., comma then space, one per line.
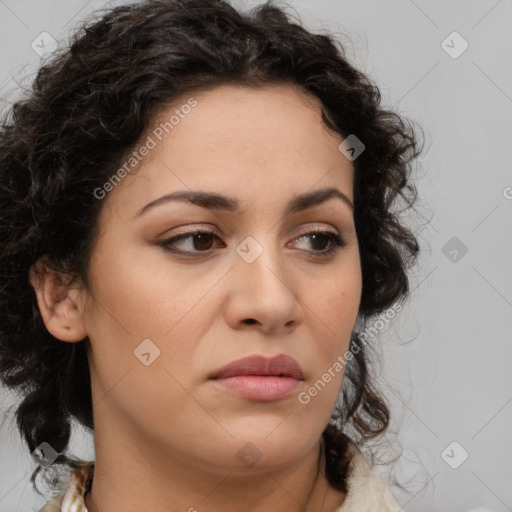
x=261, y=262
x=261, y=282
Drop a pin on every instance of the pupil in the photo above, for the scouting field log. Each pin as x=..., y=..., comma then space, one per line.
x=316, y=237
x=202, y=237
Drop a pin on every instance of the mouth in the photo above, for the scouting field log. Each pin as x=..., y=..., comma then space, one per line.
x=259, y=378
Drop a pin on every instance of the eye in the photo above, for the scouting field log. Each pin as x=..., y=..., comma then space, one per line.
x=322, y=238
x=197, y=242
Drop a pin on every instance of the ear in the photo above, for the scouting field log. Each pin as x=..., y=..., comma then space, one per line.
x=59, y=303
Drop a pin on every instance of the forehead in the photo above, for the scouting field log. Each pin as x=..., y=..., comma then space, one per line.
x=238, y=139
x=240, y=115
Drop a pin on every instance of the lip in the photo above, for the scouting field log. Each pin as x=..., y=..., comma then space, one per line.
x=260, y=378
x=281, y=365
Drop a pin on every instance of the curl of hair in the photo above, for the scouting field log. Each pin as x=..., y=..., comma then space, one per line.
x=87, y=108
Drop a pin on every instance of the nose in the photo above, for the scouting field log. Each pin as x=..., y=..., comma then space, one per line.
x=262, y=294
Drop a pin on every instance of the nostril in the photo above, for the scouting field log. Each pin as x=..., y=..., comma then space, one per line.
x=250, y=321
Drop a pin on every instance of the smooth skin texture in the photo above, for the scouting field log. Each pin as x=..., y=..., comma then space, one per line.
x=166, y=438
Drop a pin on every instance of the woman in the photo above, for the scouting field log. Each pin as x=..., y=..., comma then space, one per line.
x=198, y=208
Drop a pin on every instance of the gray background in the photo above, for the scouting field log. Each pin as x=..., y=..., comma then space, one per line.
x=446, y=359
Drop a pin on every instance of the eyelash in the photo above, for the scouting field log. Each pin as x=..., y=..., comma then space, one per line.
x=336, y=242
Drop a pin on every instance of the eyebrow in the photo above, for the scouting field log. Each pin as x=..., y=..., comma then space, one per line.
x=214, y=201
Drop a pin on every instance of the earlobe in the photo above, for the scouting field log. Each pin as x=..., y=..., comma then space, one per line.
x=59, y=303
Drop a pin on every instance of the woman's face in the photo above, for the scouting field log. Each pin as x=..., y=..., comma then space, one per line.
x=162, y=324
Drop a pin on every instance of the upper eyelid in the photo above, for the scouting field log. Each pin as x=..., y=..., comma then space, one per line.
x=194, y=230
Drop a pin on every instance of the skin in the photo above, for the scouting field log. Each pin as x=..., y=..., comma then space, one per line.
x=166, y=439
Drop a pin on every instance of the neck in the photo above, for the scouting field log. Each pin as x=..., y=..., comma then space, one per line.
x=303, y=488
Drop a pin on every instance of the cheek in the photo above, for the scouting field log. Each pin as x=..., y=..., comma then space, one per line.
x=145, y=297
x=333, y=314
x=334, y=305
x=133, y=303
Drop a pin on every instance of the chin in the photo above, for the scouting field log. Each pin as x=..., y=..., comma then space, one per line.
x=269, y=450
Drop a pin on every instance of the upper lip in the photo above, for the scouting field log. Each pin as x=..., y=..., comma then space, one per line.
x=282, y=364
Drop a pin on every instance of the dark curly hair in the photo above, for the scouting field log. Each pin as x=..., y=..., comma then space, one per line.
x=88, y=107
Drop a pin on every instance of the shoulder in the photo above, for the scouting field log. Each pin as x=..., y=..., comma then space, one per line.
x=53, y=505
x=71, y=499
x=365, y=491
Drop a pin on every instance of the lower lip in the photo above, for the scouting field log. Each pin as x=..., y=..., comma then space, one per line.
x=258, y=387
